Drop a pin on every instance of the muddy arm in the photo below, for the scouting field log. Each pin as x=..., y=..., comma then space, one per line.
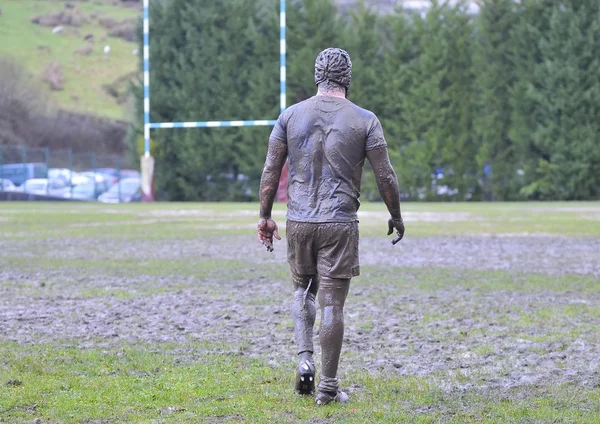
x=276, y=155
x=387, y=183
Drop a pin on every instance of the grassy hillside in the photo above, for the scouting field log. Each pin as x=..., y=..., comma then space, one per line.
x=35, y=46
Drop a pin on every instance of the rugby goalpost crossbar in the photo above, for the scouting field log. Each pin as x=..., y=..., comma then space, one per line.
x=204, y=124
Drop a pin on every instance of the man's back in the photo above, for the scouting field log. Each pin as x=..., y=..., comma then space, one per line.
x=327, y=140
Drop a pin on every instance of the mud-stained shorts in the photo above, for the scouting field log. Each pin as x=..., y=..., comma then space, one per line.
x=328, y=249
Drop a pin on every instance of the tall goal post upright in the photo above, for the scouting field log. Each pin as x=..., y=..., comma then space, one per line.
x=146, y=78
x=148, y=125
x=282, y=55
x=147, y=161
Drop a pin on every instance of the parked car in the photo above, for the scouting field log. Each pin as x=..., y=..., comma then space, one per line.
x=7, y=185
x=18, y=173
x=89, y=187
x=108, y=171
x=67, y=176
x=110, y=174
x=43, y=187
x=109, y=179
x=89, y=190
x=78, y=179
x=118, y=174
x=60, y=174
x=96, y=176
x=125, y=191
x=130, y=173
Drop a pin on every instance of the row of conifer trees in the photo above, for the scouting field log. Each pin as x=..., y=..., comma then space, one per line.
x=503, y=104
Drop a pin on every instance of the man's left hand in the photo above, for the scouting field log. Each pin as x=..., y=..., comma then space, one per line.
x=267, y=229
x=398, y=224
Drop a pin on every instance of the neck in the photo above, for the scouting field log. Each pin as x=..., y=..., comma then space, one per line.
x=331, y=93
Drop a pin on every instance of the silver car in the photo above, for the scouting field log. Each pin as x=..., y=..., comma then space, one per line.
x=125, y=191
x=43, y=187
x=7, y=185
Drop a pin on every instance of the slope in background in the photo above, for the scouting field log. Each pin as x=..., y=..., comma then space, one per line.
x=89, y=79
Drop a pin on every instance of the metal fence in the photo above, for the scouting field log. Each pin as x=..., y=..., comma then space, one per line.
x=59, y=171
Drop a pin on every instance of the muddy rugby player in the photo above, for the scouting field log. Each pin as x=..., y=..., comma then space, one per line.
x=326, y=140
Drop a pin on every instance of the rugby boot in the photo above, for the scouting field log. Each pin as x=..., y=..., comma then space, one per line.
x=305, y=378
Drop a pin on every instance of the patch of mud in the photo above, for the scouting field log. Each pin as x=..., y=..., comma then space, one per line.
x=459, y=337
x=547, y=255
x=121, y=223
x=462, y=338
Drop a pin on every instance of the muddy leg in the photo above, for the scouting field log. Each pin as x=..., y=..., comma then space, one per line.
x=304, y=312
x=332, y=296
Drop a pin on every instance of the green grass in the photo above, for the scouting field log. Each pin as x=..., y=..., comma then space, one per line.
x=149, y=384
x=35, y=46
x=190, y=221
x=432, y=279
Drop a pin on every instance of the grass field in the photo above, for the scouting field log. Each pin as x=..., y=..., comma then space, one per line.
x=35, y=46
x=175, y=313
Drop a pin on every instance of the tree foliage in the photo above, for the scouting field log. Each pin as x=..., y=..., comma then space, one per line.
x=499, y=105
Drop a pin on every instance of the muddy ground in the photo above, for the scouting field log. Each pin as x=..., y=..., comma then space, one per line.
x=461, y=335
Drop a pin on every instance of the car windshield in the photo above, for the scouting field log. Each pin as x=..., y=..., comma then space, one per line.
x=107, y=171
x=57, y=184
x=128, y=187
x=36, y=186
x=57, y=173
x=84, y=188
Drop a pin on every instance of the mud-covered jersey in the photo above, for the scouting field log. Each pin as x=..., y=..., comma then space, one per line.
x=327, y=139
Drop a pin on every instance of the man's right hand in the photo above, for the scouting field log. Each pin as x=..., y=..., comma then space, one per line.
x=267, y=229
x=398, y=225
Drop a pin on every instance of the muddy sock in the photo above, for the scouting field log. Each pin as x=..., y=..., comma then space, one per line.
x=328, y=385
x=304, y=312
x=332, y=296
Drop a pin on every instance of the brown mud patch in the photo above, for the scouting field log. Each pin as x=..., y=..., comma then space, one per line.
x=551, y=255
x=460, y=336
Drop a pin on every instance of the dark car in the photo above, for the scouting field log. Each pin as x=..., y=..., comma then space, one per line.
x=18, y=173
